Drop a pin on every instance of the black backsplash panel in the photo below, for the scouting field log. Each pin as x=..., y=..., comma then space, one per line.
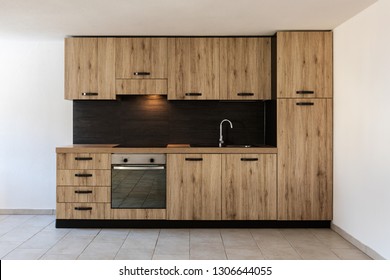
x=152, y=121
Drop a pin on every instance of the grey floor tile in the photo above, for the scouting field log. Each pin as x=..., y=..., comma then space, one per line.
x=350, y=254
x=204, y=235
x=25, y=254
x=270, y=238
x=171, y=257
x=136, y=254
x=43, y=240
x=315, y=252
x=207, y=251
x=59, y=257
x=71, y=245
x=244, y=254
x=280, y=253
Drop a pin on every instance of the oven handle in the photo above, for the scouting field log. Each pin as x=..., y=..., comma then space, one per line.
x=139, y=167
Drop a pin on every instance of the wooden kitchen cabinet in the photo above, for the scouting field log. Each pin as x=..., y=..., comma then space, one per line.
x=89, y=68
x=249, y=187
x=245, y=68
x=304, y=159
x=83, y=186
x=194, y=186
x=141, y=58
x=193, y=68
x=304, y=64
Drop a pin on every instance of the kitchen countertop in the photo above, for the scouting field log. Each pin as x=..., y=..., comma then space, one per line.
x=111, y=148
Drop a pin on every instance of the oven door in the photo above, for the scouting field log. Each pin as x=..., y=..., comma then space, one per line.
x=141, y=186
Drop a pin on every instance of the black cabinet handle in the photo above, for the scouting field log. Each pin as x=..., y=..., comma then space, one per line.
x=82, y=192
x=305, y=103
x=141, y=73
x=193, y=94
x=89, y=93
x=194, y=159
x=83, y=208
x=305, y=92
x=245, y=94
x=83, y=158
x=83, y=175
x=249, y=159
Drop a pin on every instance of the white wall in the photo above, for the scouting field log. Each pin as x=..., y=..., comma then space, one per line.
x=362, y=127
x=34, y=119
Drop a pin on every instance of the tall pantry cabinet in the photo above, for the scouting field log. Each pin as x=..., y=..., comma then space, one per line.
x=304, y=125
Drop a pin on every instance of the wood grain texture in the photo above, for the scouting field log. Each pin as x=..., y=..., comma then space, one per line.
x=83, y=194
x=304, y=159
x=193, y=67
x=68, y=211
x=141, y=55
x=98, y=178
x=141, y=86
x=89, y=67
x=137, y=214
x=245, y=67
x=84, y=161
x=249, y=187
x=304, y=62
x=194, y=187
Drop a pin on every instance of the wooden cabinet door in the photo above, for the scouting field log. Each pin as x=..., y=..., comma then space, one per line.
x=193, y=68
x=249, y=187
x=194, y=187
x=304, y=159
x=304, y=64
x=245, y=68
x=89, y=68
x=141, y=58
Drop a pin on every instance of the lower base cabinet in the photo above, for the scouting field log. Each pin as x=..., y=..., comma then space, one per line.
x=194, y=187
x=221, y=187
x=249, y=187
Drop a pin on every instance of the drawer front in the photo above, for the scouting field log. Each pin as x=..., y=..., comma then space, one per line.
x=84, y=177
x=83, y=161
x=83, y=211
x=83, y=194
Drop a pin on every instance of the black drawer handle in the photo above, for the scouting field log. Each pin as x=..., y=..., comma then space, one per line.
x=82, y=192
x=89, y=93
x=305, y=103
x=194, y=159
x=305, y=92
x=83, y=208
x=245, y=94
x=249, y=159
x=141, y=73
x=83, y=158
x=83, y=175
x=193, y=94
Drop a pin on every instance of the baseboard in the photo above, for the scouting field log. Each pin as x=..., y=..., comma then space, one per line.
x=361, y=246
x=27, y=211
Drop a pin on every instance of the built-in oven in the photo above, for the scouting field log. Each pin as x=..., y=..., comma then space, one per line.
x=138, y=181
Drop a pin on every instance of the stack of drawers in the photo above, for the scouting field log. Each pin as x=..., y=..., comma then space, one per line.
x=83, y=186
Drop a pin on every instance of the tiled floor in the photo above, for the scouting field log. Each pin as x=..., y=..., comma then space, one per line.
x=31, y=237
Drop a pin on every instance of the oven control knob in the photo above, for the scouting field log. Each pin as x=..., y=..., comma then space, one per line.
x=125, y=160
x=151, y=160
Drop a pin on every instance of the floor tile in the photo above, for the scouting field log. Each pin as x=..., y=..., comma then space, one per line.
x=207, y=251
x=171, y=257
x=204, y=235
x=70, y=245
x=315, y=252
x=244, y=254
x=25, y=254
x=350, y=254
x=270, y=238
x=59, y=257
x=280, y=253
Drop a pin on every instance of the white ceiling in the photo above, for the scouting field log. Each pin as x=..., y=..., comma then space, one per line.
x=60, y=18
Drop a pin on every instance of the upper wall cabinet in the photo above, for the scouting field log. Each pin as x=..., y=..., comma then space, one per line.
x=245, y=68
x=304, y=64
x=141, y=58
x=193, y=68
x=89, y=68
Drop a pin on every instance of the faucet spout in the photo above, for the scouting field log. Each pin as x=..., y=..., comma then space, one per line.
x=220, y=131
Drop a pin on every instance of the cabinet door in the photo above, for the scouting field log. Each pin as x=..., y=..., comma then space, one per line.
x=249, y=187
x=245, y=68
x=140, y=58
x=193, y=68
x=89, y=68
x=194, y=187
x=304, y=64
x=304, y=159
